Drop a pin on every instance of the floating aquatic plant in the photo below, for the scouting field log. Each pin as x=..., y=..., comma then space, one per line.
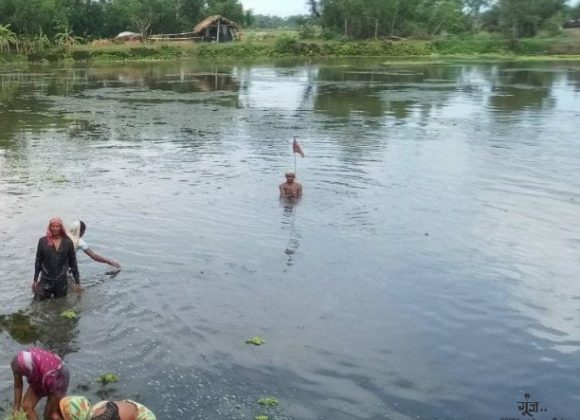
x=256, y=341
x=261, y=418
x=108, y=378
x=69, y=314
x=268, y=401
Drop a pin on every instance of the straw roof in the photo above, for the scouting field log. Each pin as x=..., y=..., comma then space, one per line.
x=210, y=20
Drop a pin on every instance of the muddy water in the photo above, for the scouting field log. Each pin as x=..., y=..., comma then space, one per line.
x=431, y=270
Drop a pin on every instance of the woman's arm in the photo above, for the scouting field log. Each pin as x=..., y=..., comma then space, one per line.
x=101, y=259
x=18, y=383
x=37, y=264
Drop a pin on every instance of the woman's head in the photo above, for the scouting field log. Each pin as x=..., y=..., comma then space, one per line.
x=73, y=408
x=107, y=411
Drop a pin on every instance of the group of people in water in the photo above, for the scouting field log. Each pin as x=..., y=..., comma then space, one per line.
x=45, y=371
x=48, y=377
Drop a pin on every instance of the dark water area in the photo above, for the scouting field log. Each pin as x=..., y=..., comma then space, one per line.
x=431, y=270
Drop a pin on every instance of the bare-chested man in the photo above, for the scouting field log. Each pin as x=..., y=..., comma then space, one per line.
x=290, y=188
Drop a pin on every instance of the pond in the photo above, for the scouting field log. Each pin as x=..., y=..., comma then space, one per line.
x=430, y=270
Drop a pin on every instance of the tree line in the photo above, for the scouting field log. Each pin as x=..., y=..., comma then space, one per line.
x=106, y=18
x=65, y=21
x=427, y=18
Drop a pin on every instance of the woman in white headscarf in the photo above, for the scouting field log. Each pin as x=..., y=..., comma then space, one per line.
x=75, y=233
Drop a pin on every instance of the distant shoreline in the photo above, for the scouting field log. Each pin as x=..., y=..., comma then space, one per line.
x=529, y=49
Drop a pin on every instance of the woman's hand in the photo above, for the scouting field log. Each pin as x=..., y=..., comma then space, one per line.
x=34, y=287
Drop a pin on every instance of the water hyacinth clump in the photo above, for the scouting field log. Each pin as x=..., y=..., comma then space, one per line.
x=69, y=314
x=268, y=401
x=108, y=378
x=256, y=341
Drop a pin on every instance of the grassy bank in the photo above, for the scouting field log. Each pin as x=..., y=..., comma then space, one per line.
x=289, y=46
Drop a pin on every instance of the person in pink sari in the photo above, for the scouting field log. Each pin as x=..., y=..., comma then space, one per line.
x=47, y=376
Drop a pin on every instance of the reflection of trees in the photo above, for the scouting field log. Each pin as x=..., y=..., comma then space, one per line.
x=344, y=91
x=574, y=78
x=20, y=109
x=520, y=89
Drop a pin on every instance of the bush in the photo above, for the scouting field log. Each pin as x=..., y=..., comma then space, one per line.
x=286, y=45
x=307, y=32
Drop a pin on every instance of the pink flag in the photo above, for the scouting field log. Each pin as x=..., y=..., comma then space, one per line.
x=296, y=148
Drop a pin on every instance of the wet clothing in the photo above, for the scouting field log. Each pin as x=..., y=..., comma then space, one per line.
x=143, y=413
x=112, y=411
x=83, y=245
x=45, y=371
x=52, y=266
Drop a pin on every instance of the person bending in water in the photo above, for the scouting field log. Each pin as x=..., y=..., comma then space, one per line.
x=47, y=377
x=290, y=188
x=54, y=256
x=76, y=232
x=79, y=408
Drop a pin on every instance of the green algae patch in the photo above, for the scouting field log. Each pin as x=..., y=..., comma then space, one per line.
x=256, y=341
x=268, y=402
x=108, y=378
x=69, y=314
x=261, y=418
x=19, y=327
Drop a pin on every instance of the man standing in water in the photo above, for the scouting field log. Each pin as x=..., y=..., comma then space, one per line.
x=290, y=188
x=54, y=255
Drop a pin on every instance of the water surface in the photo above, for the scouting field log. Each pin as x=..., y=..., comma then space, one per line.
x=431, y=270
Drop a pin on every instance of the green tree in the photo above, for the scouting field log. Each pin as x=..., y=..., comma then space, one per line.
x=231, y=9
x=8, y=39
x=521, y=18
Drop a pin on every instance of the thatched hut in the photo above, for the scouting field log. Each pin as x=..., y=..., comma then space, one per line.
x=127, y=36
x=217, y=28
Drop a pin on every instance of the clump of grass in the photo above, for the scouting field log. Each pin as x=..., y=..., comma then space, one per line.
x=108, y=378
x=69, y=314
x=256, y=341
x=268, y=401
x=20, y=415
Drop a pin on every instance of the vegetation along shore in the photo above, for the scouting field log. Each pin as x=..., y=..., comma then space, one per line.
x=85, y=30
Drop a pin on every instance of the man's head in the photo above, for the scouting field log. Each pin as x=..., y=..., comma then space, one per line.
x=290, y=177
x=56, y=227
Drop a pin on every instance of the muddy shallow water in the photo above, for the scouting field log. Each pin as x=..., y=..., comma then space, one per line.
x=430, y=271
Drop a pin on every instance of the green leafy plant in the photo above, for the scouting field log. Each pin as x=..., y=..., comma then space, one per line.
x=108, y=378
x=256, y=341
x=69, y=314
x=268, y=401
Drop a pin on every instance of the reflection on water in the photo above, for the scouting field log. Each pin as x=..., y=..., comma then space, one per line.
x=290, y=207
x=430, y=270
